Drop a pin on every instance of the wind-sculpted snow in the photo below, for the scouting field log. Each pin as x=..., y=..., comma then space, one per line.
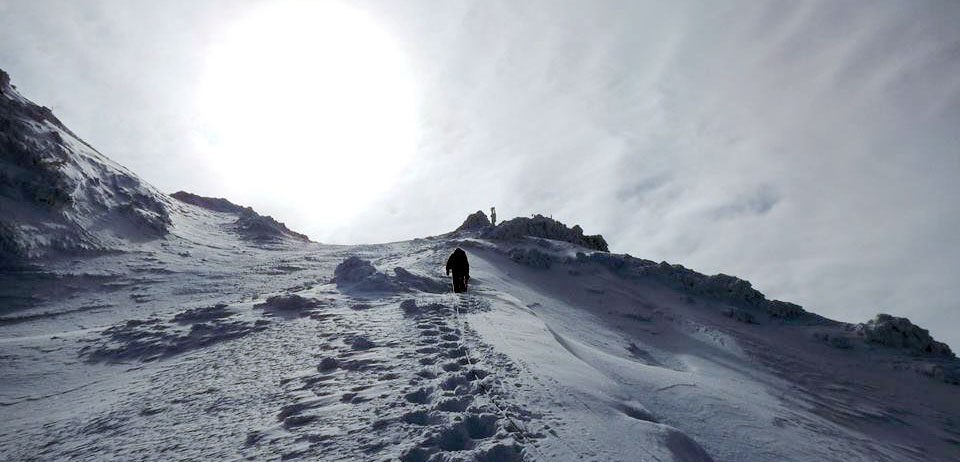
x=358, y=275
x=58, y=194
x=154, y=338
x=416, y=282
x=547, y=228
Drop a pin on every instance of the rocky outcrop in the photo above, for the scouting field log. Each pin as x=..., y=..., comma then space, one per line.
x=475, y=222
x=897, y=332
x=254, y=226
x=216, y=204
x=249, y=225
x=547, y=228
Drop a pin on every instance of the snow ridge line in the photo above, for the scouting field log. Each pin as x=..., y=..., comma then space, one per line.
x=473, y=368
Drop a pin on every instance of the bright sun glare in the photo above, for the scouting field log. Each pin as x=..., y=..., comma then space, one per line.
x=308, y=104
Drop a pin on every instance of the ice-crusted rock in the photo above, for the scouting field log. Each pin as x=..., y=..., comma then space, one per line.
x=59, y=195
x=547, y=228
x=901, y=333
x=475, y=221
x=352, y=270
x=532, y=257
x=721, y=287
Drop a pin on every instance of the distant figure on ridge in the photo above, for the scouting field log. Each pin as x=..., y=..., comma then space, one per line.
x=461, y=270
x=493, y=216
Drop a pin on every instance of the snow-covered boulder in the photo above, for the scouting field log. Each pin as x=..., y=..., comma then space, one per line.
x=901, y=333
x=352, y=270
x=355, y=273
x=289, y=303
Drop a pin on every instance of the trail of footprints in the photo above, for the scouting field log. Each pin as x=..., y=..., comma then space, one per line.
x=417, y=398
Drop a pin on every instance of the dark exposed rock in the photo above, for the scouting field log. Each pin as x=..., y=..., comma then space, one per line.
x=291, y=303
x=216, y=204
x=259, y=227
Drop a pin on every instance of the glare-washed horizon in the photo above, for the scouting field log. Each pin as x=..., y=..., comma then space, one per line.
x=809, y=147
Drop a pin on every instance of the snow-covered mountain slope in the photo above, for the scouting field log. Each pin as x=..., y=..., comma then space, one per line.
x=210, y=332
x=58, y=194
x=206, y=348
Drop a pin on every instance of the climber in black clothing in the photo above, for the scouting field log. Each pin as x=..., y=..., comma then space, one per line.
x=461, y=270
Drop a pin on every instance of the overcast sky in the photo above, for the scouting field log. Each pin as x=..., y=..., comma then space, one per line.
x=812, y=148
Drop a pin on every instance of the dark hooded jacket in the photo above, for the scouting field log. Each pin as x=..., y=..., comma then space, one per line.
x=458, y=263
